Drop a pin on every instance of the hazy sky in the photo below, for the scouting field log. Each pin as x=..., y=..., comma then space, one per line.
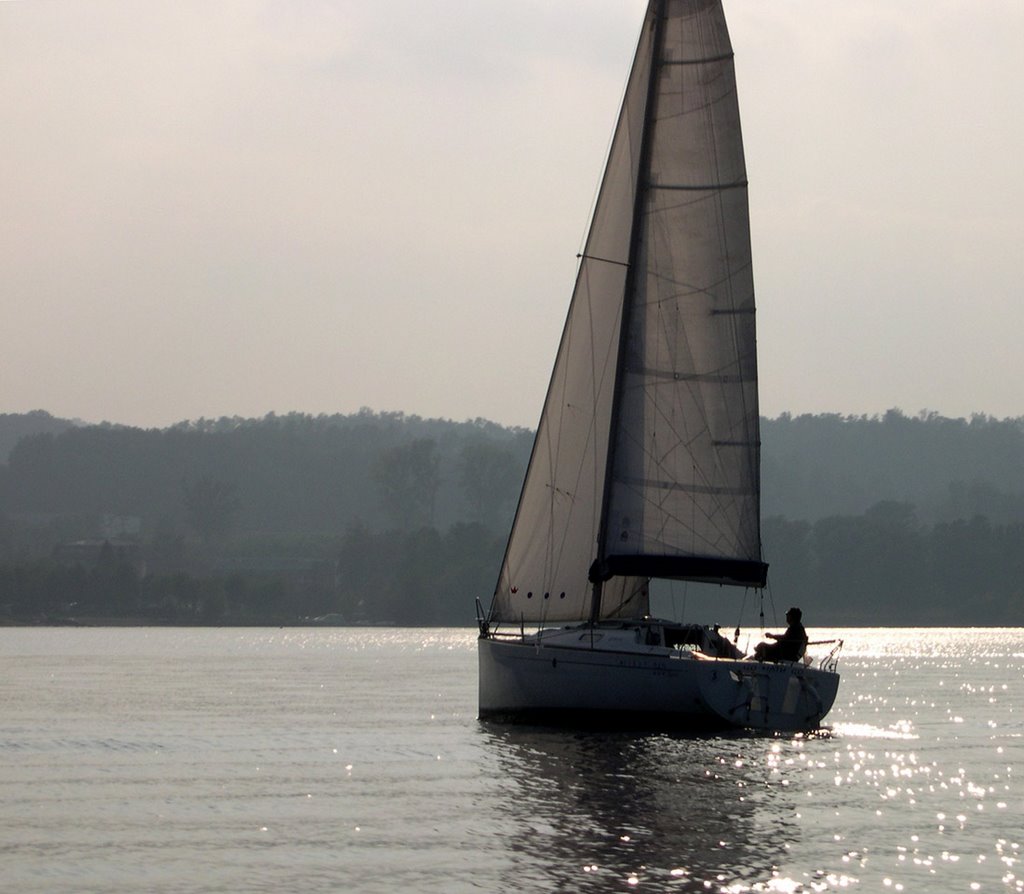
x=221, y=207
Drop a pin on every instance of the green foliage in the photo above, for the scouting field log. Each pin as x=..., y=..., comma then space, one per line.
x=885, y=568
x=15, y=426
x=490, y=477
x=419, y=577
x=45, y=589
x=816, y=466
x=377, y=518
x=210, y=507
x=409, y=476
x=292, y=474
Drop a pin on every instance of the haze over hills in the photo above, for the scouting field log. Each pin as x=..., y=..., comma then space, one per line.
x=274, y=519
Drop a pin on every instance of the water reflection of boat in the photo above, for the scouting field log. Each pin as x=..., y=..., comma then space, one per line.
x=603, y=808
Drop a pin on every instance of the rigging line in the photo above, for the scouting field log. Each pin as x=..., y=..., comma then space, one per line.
x=595, y=198
x=739, y=620
x=710, y=289
x=587, y=257
x=706, y=489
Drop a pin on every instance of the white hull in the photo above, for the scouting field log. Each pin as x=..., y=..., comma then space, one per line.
x=613, y=673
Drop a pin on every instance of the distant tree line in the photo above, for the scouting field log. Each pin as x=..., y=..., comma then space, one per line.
x=884, y=567
x=293, y=473
x=15, y=426
x=818, y=466
x=402, y=578
x=276, y=520
x=388, y=518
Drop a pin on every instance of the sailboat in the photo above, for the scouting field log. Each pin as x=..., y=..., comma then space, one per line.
x=646, y=462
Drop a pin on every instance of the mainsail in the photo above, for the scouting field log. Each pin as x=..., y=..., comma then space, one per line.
x=646, y=460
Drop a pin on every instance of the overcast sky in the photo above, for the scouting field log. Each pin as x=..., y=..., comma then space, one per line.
x=232, y=207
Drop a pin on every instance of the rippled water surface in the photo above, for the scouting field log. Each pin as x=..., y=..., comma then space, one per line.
x=352, y=760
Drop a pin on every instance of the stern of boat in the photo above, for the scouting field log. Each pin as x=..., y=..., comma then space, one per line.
x=787, y=697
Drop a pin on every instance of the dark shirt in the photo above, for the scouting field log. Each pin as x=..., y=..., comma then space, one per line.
x=793, y=642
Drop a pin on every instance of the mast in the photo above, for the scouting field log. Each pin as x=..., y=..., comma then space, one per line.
x=598, y=574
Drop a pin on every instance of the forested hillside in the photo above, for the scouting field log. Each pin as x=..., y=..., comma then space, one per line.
x=291, y=474
x=15, y=426
x=817, y=466
x=383, y=517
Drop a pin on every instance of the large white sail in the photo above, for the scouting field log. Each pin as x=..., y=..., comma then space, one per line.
x=646, y=461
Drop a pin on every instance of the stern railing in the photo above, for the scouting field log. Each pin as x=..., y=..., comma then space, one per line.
x=829, y=662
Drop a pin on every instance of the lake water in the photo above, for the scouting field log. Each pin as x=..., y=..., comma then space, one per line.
x=202, y=760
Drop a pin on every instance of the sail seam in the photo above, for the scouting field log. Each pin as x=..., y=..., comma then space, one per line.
x=716, y=378
x=703, y=187
x=723, y=57
x=685, y=488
